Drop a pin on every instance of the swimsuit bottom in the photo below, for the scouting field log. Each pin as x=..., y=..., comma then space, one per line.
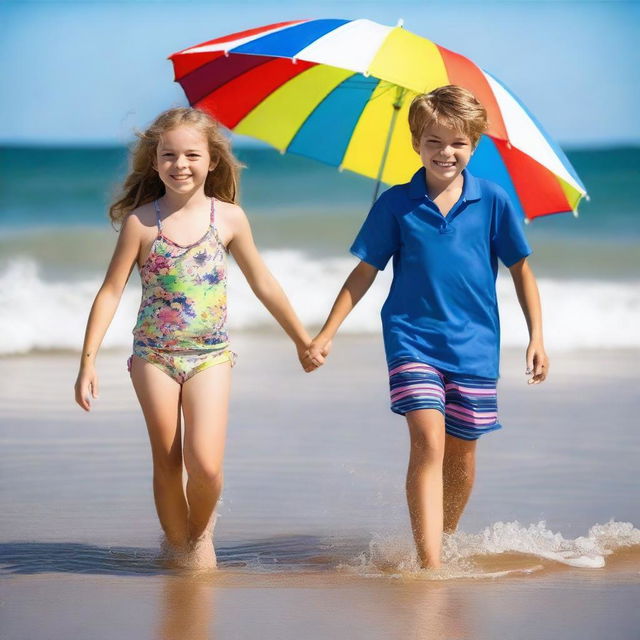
x=182, y=365
x=469, y=404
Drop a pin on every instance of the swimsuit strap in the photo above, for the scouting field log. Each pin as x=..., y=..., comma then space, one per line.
x=158, y=220
x=214, y=228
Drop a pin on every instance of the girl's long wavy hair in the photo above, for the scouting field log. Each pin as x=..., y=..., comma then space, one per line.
x=143, y=184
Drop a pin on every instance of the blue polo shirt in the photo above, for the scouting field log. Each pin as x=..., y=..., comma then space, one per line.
x=442, y=307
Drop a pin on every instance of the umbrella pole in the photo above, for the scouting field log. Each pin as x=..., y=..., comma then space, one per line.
x=397, y=105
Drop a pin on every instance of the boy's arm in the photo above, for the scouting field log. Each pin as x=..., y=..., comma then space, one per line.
x=529, y=298
x=355, y=286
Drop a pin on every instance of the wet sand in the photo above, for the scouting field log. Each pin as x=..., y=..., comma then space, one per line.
x=313, y=538
x=175, y=608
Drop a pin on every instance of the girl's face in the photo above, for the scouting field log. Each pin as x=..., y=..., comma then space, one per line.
x=182, y=159
x=444, y=152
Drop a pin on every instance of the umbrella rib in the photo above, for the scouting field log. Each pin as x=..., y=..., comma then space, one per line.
x=397, y=105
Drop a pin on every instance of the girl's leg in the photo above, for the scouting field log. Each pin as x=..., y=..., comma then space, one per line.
x=205, y=401
x=424, y=483
x=458, y=475
x=159, y=397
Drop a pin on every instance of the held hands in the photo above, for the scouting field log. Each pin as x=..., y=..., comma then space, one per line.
x=315, y=353
x=86, y=386
x=537, y=363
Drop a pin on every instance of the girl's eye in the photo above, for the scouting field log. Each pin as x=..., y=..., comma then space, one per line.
x=189, y=155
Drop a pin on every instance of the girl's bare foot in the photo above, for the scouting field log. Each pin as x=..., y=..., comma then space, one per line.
x=173, y=556
x=201, y=552
x=202, y=555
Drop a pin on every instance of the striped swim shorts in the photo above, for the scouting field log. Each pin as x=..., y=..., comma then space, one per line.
x=469, y=404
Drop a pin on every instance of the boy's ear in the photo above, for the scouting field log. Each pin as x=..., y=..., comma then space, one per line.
x=415, y=144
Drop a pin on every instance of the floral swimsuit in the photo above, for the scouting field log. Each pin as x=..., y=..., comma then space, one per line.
x=183, y=311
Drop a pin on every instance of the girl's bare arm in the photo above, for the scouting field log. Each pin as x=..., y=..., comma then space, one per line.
x=529, y=298
x=262, y=282
x=355, y=286
x=104, y=307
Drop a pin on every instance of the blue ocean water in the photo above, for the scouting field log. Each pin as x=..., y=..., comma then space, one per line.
x=295, y=202
x=56, y=242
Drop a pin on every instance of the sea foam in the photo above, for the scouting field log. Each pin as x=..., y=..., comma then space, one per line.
x=501, y=549
x=40, y=313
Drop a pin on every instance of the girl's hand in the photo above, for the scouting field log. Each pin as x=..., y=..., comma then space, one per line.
x=537, y=363
x=86, y=386
x=305, y=361
x=316, y=353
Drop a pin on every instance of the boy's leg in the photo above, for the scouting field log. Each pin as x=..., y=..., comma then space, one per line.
x=159, y=397
x=458, y=474
x=424, y=483
x=205, y=401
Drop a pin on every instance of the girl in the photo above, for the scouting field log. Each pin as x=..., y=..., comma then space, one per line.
x=179, y=219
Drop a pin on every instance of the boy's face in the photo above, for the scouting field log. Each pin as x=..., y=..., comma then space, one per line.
x=444, y=152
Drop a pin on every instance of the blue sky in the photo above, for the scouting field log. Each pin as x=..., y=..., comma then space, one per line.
x=92, y=72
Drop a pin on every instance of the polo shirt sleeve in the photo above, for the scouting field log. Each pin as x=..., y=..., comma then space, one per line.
x=508, y=240
x=379, y=237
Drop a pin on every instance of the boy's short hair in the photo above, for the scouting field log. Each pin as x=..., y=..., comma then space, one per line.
x=451, y=106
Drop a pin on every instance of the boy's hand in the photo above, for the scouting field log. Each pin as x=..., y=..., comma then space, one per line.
x=537, y=363
x=316, y=353
x=86, y=386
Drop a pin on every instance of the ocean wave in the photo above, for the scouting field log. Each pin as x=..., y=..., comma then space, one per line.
x=37, y=313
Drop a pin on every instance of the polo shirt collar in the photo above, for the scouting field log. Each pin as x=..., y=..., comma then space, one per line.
x=418, y=186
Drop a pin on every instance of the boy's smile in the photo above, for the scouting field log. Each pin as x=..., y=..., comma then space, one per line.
x=444, y=152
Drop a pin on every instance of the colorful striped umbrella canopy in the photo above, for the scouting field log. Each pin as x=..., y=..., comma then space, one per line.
x=339, y=91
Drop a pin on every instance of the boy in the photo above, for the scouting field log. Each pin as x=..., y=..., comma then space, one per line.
x=445, y=230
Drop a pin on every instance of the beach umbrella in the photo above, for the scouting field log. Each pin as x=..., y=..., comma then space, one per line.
x=339, y=91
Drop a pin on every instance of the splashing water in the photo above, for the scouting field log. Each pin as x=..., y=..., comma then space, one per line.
x=504, y=548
